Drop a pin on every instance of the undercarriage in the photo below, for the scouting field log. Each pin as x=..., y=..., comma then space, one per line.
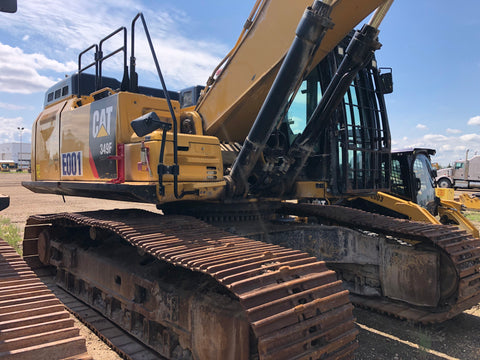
x=416, y=271
x=421, y=272
x=193, y=291
x=190, y=290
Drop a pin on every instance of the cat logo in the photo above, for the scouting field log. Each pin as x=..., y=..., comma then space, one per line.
x=102, y=137
x=101, y=121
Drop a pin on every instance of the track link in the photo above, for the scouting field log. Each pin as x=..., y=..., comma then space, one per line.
x=462, y=248
x=33, y=322
x=296, y=307
x=121, y=342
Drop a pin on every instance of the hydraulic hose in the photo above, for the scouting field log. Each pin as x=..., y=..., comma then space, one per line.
x=310, y=32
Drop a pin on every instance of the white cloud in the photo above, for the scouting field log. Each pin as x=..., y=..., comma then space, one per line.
x=421, y=127
x=83, y=23
x=19, y=72
x=11, y=106
x=14, y=56
x=470, y=138
x=453, y=131
x=433, y=138
x=449, y=148
x=70, y=29
x=26, y=37
x=474, y=120
x=9, y=132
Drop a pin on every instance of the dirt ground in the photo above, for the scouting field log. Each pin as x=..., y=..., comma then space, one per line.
x=380, y=337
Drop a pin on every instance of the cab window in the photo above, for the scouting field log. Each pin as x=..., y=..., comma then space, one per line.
x=424, y=182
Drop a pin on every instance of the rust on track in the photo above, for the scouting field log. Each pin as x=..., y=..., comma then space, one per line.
x=462, y=248
x=126, y=346
x=33, y=322
x=296, y=307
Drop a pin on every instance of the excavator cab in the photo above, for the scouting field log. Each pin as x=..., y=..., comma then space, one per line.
x=353, y=152
x=413, y=177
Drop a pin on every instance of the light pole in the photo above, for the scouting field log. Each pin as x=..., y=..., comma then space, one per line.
x=19, y=156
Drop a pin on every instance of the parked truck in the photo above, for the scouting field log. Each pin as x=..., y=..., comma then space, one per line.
x=464, y=174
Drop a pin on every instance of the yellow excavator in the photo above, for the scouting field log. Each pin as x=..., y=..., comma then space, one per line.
x=230, y=166
x=186, y=288
x=413, y=194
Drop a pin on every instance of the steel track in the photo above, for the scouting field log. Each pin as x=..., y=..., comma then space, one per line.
x=121, y=342
x=460, y=247
x=295, y=306
x=33, y=322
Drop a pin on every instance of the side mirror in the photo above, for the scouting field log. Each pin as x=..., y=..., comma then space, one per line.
x=148, y=123
x=9, y=6
x=386, y=81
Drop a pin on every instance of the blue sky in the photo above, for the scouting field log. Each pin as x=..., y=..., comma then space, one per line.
x=432, y=48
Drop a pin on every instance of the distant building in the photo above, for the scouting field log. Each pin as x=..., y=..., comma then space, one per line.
x=19, y=153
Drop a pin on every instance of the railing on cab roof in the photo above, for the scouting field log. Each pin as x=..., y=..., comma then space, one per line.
x=130, y=83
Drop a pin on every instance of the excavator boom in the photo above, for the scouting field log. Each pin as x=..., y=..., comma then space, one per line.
x=232, y=102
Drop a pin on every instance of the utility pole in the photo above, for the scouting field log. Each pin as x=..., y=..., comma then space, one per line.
x=20, y=156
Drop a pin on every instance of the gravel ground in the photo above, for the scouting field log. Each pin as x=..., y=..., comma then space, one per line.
x=381, y=337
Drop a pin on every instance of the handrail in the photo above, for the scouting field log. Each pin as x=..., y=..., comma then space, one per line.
x=80, y=69
x=102, y=58
x=131, y=84
x=174, y=170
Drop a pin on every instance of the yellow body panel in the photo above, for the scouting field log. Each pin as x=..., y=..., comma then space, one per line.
x=206, y=191
x=75, y=143
x=200, y=159
x=46, y=143
x=445, y=193
x=413, y=211
x=74, y=137
x=232, y=103
x=132, y=106
x=311, y=190
x=447, y=210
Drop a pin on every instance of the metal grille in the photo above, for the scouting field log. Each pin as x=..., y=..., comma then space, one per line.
x=364, y=139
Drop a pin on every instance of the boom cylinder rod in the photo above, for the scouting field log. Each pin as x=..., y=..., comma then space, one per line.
x=358, y=53
x=380, y=14
x=310, y=32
